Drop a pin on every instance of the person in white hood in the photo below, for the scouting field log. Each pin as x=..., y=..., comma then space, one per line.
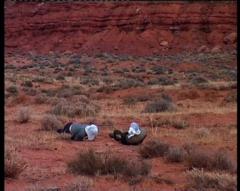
x=134, y=136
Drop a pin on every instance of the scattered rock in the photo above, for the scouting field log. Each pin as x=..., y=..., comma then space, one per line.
x=231, y=38
x=203, y=48
x=164, y=43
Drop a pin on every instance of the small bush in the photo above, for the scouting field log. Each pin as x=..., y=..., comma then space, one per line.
x=28, y=84
x=160, y=105
x=129, y=101
x=13, y=164
x=81, y=184
x=201, y=180
x=219, y=160
x=66, y=91
x=91, y=163
x=179, y=124
x=222, y=161
x=154, y=148
x=30, y=91
x=198, y=80
x=12, y=90
x=60, y=77
x=199, y=159
x=128, y=83
x=75, y=109
x=50, y=123
x=202, y=132
x=87, y=163
x=23, y=115
x=40, y=99
x=175, y=154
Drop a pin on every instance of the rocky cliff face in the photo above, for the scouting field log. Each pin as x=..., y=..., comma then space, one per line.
x=120, y=28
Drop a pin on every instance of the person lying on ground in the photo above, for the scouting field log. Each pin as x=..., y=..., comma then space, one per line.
x=80, y=132
x=134, y=136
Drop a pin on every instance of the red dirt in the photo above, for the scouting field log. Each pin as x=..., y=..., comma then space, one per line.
x=121, y=28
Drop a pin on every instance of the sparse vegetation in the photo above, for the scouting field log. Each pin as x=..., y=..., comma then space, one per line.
x=175, y=154
x=70, y=109
x=214, y=181
x=23, y=115
x=28, y=83
x=40, y=99
x=13, y=163
x=217, y=161
x=92, y=163
x=154, y=148
x=160, y=105
x=12, y=90
x=50, y=123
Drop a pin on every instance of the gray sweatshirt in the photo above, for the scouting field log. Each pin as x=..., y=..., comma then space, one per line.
x=78, y=131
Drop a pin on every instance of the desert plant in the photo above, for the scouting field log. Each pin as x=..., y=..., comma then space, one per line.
x=222, y=161
x=12, y=90
x=201, y=180
x=175, y=154
x=75, y=109
x=87, y=163
x=198, y=80
x=154, y=148
x=13, y=163
x=202, y=132
x=81, y=184
x=50, y=123
x=23, y=115
x=92, y=163
x=179, y=124
x=129, y=101
x=199, y=159
x=28, y=83
x=40, y=99
x=160, y=105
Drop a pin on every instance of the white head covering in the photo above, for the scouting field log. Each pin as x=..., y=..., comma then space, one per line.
x=134, y=129
x=92, y=131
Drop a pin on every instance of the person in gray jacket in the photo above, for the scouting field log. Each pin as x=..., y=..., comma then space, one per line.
x=134, y=136
x=80, y=131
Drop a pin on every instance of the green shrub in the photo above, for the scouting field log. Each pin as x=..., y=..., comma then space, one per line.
x=92, y=163
x=12, y=90
x=160, y=105
x=13, y=163
x=215, y=181
x=23, y=115
x=175, y=154
x=154, y=148
x=50, y=123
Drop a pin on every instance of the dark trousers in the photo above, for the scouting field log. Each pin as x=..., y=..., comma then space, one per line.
x=120, y=136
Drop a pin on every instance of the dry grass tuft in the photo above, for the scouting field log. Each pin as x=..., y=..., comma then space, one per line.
x=163, y=104
x=220, y=160
x=154, y=148
x=81, y=184
x=214, y=181
x=41, y=99
x=92, y=163
x=50, y=123
x=23, y=115
x=13, y=163
x=175, y=154
x=75, y=109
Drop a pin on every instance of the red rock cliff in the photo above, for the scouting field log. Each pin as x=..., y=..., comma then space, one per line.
x=138, y=28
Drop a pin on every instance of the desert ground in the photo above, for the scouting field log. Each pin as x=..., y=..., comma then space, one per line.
x=186, y=100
